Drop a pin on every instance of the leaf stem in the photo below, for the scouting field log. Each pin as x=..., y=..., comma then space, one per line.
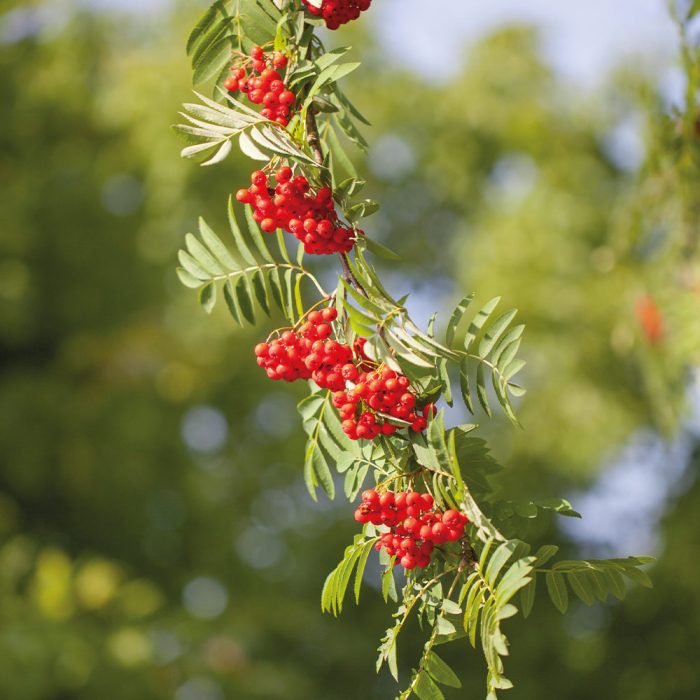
x=429, y=644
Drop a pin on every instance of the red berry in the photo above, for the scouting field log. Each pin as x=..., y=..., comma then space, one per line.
x=410, y=524
x=258, y=178
x=256, y=96
x=428, y=501
x=286, y=97
x=284, y=174
x=386, y=500
x=429, y=410
x=413, y=498
x=370, y=496
x=408, y=561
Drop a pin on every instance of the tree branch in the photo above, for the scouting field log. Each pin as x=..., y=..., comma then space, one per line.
x=313, y=138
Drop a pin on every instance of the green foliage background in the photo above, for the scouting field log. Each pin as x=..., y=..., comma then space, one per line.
x=119, y=537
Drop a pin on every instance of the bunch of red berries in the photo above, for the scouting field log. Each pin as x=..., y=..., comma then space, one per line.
x=337, y=12
x=415, y=527
x=309, y=353
x=267, y=87
x=291, y=206
x=375, y=397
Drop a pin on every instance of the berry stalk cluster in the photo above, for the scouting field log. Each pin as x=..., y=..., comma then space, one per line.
x=287, y=202
x=264, y=83
x=338, y=12
x=415, y=525
x=370, y=402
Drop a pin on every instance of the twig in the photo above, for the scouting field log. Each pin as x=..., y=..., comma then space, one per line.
x=314, y=140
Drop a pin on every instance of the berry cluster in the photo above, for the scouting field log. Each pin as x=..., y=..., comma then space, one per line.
x=264, y=84
x=291, y=206
x=309, y=353
x=415, y=527
x=376, y=395
x=337, y=12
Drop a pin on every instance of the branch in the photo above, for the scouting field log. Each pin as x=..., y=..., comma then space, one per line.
x=313, y=138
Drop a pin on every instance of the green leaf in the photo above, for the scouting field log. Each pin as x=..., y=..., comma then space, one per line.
x=230, y=299
x=556, y=587
x=388, y=584
x=478, y=322
x=241, y=246
x=581, y=587
x=187, y=279
x=517, y=577
x=309, y=407
x=481, y=392
x=242, y=293
x=259, y=20
x=207, y=296
x=339, y=153
x=444, y=626
x=560, y=505
x=450, y=607
x=255, y=234
x=475, y=600
x=328, y=591
x=250, y=148
x=637, y=576
x=213, y=59
x=495, y=331
x=387, y=651
x=380, y=250
x=329, y=75
x=212, y=22
x=527, y=597
x=440, y=671
x=258, y=281
x=616, y=583
x=323, y=472
x=361, y=563
x=497, y=561
x=457, y=316
x=189, y=264
x=464, y=385
x=544, y=554
x=202, y=256
x=426, y=689
x=310, y=479
x=216, y=247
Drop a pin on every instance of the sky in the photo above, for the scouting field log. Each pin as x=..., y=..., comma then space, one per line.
x=581, y=39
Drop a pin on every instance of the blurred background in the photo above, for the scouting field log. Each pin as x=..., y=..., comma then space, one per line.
x=156, y=539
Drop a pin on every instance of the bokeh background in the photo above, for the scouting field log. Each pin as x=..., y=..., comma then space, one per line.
x=156, y=539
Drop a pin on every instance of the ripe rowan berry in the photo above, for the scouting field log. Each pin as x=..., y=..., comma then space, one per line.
x=279, y=60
